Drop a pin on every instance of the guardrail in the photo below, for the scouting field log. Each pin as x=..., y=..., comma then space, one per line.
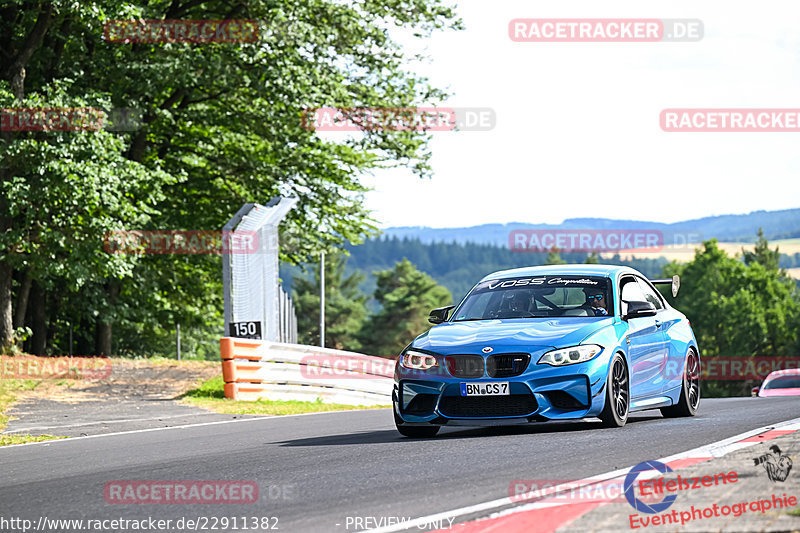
x=255, y=369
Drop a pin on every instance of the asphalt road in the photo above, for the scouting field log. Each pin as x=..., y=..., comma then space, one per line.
x=315, y=471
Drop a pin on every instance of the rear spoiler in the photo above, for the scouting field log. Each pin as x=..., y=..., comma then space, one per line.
x=675, y=282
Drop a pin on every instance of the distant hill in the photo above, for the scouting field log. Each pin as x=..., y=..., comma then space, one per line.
x=783, y=224
x=456, y=266
x=459, y=257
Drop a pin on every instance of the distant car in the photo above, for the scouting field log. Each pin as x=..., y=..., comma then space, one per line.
x=780, y=383
x=549, y=343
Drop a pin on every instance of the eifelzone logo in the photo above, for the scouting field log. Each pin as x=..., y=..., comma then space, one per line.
x=630, y=495
x=777, y=464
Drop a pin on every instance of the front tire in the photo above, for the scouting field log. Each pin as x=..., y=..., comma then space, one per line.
x=689, y=400
x=617, y=405
x=416, y=432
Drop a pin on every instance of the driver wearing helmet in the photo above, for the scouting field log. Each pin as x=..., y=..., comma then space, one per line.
x=515, y=303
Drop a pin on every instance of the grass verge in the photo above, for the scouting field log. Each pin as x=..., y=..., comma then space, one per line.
x=8, y=394
x=210, y=395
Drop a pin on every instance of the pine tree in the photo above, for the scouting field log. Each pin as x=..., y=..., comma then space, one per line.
x=762, y=254
x=553, y=258
x=406, y=296
x=345, y=306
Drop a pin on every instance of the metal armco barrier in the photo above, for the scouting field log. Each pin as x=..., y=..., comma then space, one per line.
x=255, y=369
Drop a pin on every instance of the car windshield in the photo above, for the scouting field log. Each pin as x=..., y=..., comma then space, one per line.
x=783, y=382
x=537, y=297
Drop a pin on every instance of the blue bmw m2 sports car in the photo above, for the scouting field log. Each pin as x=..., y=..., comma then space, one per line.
x=549, y=343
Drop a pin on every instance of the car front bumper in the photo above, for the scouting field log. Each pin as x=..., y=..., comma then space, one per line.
x=542, y=392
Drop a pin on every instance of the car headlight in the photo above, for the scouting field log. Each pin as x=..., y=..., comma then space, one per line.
x=571, y=355
x=418, y=361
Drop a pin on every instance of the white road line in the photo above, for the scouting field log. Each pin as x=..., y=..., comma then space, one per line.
x=714, y=449
x=106, y=422
x=186, y=426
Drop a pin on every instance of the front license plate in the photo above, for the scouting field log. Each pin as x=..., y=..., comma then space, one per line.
x=496, y=388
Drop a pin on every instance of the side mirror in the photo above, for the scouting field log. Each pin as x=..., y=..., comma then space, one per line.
x=439, y=314
x=754, y=392
x=639, y=309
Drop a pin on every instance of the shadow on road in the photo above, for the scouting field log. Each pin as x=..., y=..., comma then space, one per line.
x=391, y=435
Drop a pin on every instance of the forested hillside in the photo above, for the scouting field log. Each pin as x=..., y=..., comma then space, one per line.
x=738, y=306
x=783, y=224
x=456, y=266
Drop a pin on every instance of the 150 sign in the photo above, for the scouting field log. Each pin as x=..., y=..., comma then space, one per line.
x=246, y=330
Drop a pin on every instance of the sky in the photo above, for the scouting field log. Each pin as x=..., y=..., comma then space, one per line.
x=577, y=129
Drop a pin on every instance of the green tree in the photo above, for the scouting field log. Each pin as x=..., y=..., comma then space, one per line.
x=221, y=124
x=65, y=192
x=592, y=259
x=553, y=258
x=406, y=296
x=762, y=254
x=345, y=306
x=736, y=309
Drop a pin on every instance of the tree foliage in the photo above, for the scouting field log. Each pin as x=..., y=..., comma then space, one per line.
x=406, y=297
x=762, y=254
x=458, y=266
x=736, y=308
x=553, y=258
x=221, y=124
x=345, y=306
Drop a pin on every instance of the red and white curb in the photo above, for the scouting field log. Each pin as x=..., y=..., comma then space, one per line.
x=551, y=512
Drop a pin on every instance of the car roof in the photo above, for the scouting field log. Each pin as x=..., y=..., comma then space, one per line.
x=578, y=269
x=784, y=372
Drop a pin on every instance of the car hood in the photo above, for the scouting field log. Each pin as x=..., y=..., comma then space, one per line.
x=522, y=334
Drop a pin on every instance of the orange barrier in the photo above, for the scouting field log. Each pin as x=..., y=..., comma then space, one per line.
x=243, y=392
x=232, y=348
x=255, y=369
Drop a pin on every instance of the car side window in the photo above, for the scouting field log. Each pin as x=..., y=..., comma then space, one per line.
x=650, y=294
